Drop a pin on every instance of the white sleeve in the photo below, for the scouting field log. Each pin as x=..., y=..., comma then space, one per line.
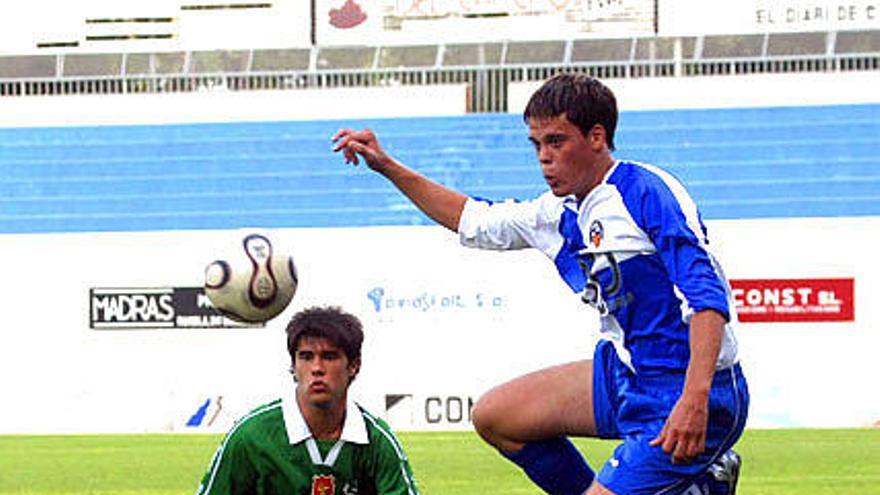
x=509, y=225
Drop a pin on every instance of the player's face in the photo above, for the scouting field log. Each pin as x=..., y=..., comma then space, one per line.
x=323, y=372
x=571, y=162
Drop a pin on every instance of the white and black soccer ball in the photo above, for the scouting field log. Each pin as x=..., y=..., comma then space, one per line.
x=254, y=282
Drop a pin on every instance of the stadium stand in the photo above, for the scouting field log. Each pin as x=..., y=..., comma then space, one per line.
x=786, y=44
x=738, y=163
x=535, y=52
x=79, y=65
x=280, y=60
x=472, y=54
x=219, y=175
x=407, y=56
x=857, y=42
x=340, y=58
x=213, y=62
x=730, y=46
x=664, y=48
x=487, y=67
x=155, y=63
x=601, y=50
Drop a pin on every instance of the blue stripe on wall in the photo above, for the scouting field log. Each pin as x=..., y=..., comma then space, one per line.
x=738, y=163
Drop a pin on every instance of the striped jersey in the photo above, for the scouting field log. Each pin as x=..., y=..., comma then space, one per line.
x=271, y=451
x=635, y=249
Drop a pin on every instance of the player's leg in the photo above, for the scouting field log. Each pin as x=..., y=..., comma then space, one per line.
x=543, y=404
x=638, y=468
x=528, y=419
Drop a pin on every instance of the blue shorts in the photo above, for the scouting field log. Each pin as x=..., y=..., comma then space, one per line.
x=634, y=408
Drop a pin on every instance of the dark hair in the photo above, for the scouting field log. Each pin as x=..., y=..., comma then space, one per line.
x=331, y=323
x=584, y=100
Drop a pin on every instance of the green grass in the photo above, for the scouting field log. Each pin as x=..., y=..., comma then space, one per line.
x=777, y=462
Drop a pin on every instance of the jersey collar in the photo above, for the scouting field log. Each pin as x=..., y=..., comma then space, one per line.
x=354, y=430
x=572, y=202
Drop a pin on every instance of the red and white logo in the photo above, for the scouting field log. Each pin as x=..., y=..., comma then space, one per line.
x=323, y=484
x=597, y=232
x=348, y=16
x=792, y=300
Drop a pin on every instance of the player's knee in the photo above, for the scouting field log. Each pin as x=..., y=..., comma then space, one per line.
x=481, y=416
x=485, y=418
x=488, y=422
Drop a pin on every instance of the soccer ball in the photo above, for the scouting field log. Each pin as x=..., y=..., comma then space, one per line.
x=253, y=283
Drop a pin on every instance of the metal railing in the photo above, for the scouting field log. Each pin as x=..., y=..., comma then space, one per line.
x=487, y=84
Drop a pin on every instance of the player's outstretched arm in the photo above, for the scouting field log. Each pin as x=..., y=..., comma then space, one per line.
x=441, y=204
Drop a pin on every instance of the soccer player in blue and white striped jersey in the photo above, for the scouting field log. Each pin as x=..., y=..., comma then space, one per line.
x=626, y=236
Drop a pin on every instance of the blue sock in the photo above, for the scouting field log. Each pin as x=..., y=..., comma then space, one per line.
x=555, y=465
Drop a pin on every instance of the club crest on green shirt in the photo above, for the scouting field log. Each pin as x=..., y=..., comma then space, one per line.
x=323, y=484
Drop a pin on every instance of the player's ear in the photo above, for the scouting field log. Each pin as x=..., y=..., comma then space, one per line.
x=598, y=137
x=353, y=369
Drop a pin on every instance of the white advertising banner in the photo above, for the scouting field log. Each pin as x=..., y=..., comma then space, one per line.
x=827, y=15
x=419, y=22
x=111, y=26
x=114, y=335
x=107, y=332
x=807, y=369
x=708, y=17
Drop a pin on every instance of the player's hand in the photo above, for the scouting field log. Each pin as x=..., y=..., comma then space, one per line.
x=684, y=433
x=361, y=143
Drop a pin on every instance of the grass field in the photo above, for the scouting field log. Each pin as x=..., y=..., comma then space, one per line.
x=778, y=462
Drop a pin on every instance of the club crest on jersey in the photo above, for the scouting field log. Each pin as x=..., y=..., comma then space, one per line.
x=323, y=484
x=597, y=232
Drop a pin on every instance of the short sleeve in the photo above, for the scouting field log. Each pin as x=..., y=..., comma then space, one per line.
x=231, y=471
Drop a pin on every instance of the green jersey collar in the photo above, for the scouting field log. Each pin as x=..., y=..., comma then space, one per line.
x=354, y=430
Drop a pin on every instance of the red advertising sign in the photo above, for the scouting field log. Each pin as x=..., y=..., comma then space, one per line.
x=802, y=299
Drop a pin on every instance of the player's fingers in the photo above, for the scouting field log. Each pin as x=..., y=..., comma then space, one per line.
x=675, y=441
x=666, y=438
x=696, y=446
x=671, y=444
x=345, y=138
x=350, y=155
x=689, y=448
x=348, y=148
x=660, y=438
x=341, y=133
x=341, y=142
x=679, y=458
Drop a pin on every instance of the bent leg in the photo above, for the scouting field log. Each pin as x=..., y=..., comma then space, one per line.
x=552, y=402
x=528, y=418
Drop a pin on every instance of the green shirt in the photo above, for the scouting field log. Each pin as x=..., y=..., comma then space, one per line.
x=271, y=451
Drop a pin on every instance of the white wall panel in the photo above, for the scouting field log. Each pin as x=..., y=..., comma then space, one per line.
x=447, y=321
x=419, y=22
x=444, y=323
x=280, y=24
x=699, y=17
x=220, y=105
x=764, y=90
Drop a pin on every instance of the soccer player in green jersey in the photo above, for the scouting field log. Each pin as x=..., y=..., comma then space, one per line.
x=314, y=440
